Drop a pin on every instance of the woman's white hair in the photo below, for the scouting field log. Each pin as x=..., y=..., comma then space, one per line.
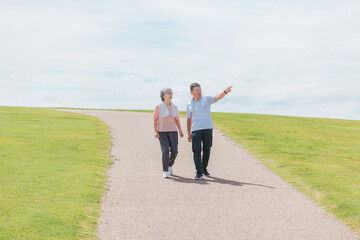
x=162, y=93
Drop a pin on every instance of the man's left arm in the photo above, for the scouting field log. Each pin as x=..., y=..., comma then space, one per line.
x=221, y=95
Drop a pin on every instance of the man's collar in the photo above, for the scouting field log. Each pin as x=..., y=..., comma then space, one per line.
x=201, y=100
x=193, y=100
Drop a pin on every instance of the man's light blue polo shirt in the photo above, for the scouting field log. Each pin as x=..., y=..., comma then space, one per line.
x=199, y=112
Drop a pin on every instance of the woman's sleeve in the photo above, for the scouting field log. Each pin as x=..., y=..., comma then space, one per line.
x=156, y=113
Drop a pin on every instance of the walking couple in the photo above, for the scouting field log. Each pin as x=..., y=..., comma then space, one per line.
x=199, y=128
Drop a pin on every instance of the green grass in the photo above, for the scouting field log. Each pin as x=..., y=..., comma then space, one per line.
x=52, y=173
x=321, y=157
x=53, y=166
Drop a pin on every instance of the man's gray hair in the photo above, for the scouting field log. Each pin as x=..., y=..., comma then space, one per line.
x=162, y=93
x=194, y=85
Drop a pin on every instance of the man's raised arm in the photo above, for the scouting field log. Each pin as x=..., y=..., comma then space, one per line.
x=221, y=95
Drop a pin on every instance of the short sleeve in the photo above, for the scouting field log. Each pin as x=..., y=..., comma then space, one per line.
x=156, y=112
x=210, y=99
x=188, y=113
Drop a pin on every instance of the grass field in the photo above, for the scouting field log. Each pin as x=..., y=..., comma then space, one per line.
x=321, y=157
x=52, y=173
x=53, y=166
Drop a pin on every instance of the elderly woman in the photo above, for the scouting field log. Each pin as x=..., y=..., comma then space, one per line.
x=166, y=123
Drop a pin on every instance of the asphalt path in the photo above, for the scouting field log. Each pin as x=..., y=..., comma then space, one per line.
x=242, y=199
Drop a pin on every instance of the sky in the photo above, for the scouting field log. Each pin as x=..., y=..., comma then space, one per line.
x=294, y=58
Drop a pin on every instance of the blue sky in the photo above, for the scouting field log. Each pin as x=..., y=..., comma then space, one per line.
x=298, y=58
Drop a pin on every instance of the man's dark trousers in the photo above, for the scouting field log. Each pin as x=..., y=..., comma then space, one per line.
x=205, y=137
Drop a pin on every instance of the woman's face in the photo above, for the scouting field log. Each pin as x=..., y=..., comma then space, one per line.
x=168, y=95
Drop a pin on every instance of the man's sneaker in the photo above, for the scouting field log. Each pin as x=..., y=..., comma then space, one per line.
x=171, y=171
x=165, y=174
x=198, y=176
x=206, y=173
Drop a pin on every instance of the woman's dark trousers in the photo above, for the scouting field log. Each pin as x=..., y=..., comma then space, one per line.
x=169, y=148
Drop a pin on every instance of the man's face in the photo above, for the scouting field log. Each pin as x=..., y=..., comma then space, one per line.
x=196, y=92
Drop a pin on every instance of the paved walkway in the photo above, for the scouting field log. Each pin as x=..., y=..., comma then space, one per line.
x=243, y=199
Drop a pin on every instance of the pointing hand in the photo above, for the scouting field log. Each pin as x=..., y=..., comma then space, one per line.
x=228, y=89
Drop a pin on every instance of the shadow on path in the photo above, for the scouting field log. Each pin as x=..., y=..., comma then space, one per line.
x=208, y=180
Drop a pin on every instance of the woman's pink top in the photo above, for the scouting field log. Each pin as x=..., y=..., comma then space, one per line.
x=165, y=124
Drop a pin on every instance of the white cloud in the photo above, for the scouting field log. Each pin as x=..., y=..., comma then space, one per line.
x=282, y=57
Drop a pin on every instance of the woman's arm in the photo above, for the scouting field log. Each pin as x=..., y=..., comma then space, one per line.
x=178, y=124
x=156, y=129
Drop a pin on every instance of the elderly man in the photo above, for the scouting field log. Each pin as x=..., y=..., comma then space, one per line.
x=200, y=126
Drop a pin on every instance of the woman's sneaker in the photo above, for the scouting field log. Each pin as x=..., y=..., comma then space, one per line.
x=165, y=174
x=198, y=176
x=171, y=171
